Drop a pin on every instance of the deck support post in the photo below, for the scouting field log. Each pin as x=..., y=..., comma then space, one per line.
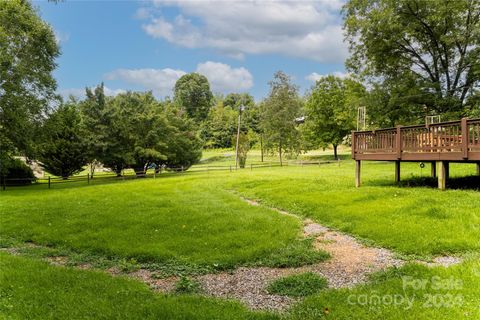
x=434, y=169
x=358, y=165
x=443, y=167
x=397, y=171
x=478, y=168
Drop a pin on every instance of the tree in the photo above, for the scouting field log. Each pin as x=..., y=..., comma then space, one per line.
x=219, y=127
x=192, y=92
x=63, y=151
x=432, y=46
x=331, y=109
x=105, y=127
x=142, y=128
x=184, y=147
x=27, y=58
x=278, y=115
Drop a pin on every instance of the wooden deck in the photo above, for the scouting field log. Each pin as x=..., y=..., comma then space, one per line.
x=440, y=143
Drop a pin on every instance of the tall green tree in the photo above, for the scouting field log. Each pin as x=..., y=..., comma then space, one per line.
x=192, y=92
x=279, y=111
x=142, y=127
x=106, y=128
x=27, y=58
x=219, y=127
x=184, y=147
x=331, y=110
x=431, y=46
x=63, y=150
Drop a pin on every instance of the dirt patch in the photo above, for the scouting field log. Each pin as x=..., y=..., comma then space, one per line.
x=164, y=285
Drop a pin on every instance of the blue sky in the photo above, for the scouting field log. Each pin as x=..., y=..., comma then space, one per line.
x=238, y=45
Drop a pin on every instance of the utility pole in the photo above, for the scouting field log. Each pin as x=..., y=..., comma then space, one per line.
x=242, y=107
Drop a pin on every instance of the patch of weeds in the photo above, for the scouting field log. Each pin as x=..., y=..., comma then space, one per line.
x=298, y=285
x=296, y=254
x=181, y=269
x=187, y=285
x=129, y=265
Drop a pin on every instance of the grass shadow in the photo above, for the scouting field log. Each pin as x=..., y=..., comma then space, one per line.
x=459, y=183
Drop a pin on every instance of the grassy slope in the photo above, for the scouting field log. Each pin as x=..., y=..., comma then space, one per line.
x=188, y=219
x=34, y=290
x=417, y=221
x=420, y=221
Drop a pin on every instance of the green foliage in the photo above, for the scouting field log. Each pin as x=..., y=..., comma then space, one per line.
x=278, y=113
x=295, y=254
x=143, y=126
x=220, y=126
x=243, y=148
x=331, y=110
x=426, y=51
x=27, y=58
x=63, y=151
x=16, y=169
x=184, y=146
x=192, y=93
x=187, y=285
x=298, y=285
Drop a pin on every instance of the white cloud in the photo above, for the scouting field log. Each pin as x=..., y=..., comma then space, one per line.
x=222, y=77
x=161, y=81
x=306, y=29
x=316, y=76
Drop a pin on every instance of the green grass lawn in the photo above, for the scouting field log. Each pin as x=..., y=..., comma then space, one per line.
x=411, y=220
x=186, y=219
x=35, y=290
x=199, y=218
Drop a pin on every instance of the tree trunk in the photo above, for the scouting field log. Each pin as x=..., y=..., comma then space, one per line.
x=261, y=146
x=280, y=154
x=335, y=154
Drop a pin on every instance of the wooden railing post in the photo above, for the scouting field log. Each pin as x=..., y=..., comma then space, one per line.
x=465, y=138
x=353, y=145
x=399, y=142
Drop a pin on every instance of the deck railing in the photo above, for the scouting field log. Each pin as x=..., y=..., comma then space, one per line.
x=453, y=140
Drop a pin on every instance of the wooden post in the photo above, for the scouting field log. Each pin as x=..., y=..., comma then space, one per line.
x=434, y=169
x=442, y=175
x=464, y=138
x=398, y=142
x=48, y=182
x=397, y=171
x=358, y=165
x=478, y=168
x=353, y=144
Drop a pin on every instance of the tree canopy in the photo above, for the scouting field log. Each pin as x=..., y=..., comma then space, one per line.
x=192, y=92
x=27, y=58
x=278, y=114
x=331, y=110
x=63, y=151
x=427, y=53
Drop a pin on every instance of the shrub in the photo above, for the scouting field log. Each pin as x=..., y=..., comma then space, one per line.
x=298, y=285
x=187, y=285
x=17, y=169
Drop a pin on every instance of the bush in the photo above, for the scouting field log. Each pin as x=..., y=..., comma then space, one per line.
x=17, y=169
x=299, y=285
x=187, y=286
